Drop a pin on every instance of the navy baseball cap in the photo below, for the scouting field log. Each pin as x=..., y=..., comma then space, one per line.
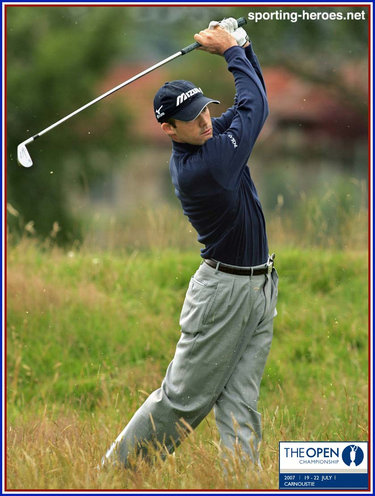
x=180, y=100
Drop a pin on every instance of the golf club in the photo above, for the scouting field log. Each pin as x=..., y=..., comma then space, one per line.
x=23, y=156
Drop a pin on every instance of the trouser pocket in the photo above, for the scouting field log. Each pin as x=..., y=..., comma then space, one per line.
x=199, y=300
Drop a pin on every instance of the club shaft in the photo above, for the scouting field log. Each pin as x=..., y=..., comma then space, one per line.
x=107, y=93
x=241, y=21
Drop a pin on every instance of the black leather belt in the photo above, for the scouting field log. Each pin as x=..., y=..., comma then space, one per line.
x=245, y=271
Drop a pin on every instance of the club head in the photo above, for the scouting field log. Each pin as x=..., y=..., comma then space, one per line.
x=23, y=156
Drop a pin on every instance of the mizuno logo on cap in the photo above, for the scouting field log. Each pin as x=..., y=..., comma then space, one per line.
x=184, y=96
x=159, y=113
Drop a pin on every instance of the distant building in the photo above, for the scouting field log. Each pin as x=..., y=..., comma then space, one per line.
x=335, y=106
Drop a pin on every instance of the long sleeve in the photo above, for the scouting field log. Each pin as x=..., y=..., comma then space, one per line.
x=222, y=123
x=227, y=153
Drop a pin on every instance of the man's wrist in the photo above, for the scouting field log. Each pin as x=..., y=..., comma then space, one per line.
x=229, y=50
x=228, y=47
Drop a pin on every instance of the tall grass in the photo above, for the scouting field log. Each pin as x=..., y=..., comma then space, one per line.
x=92, y=330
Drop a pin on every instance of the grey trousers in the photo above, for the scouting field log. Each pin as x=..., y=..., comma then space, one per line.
x=226, y=332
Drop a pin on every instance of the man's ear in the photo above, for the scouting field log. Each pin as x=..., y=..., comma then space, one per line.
x=168, y=129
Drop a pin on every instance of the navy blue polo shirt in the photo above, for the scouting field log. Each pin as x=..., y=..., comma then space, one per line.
x=213, y=181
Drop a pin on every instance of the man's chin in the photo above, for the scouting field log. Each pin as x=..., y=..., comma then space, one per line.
x=206, y=137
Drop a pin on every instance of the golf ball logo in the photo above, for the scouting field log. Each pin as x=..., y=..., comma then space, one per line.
x=352, y=455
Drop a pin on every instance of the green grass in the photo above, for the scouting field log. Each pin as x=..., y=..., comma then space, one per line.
x=91, y=334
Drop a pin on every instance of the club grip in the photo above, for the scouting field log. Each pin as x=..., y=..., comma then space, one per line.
x=241, y=21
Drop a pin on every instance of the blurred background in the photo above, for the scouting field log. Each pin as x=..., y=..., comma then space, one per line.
x=101, y=179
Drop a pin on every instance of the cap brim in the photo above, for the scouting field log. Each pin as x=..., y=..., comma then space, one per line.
x=192, y=111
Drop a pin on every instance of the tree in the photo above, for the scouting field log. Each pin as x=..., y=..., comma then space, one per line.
x=56, y=57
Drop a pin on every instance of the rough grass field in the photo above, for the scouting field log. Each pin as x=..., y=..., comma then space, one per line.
x=90, y=335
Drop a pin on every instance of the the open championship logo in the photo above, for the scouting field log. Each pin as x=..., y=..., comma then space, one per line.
x=352, y=455
x=323, y=465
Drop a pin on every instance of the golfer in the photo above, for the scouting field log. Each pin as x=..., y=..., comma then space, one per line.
x=227, y=316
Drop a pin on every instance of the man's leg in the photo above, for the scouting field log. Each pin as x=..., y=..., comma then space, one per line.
x=213, y=324
x=236, y=414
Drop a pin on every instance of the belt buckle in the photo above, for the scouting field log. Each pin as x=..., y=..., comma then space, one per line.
x=270, y=263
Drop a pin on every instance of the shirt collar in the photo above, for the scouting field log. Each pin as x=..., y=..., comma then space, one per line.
x=184, y=147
